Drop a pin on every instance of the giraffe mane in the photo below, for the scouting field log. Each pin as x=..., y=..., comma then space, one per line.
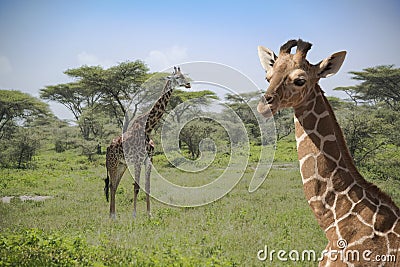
x=348, y=159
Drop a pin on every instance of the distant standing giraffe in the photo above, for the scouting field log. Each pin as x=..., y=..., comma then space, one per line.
x=355, y=214
x=135, y=146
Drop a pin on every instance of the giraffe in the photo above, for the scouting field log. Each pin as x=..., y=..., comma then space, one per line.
x=356, y=216
x=135, y=146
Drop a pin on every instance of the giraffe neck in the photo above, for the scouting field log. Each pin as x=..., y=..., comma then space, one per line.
x=159, y=108
x=332, y=184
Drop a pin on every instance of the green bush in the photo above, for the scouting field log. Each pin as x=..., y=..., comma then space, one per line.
x=35, y=248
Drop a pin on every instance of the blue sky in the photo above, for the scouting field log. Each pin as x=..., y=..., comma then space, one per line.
x=40, y=39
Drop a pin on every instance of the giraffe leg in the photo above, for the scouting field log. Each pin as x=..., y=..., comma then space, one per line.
x=136, y=188
x=112, y=202
x=107, y=186
x=148, y=165
x=116, y=175
x=112, y=171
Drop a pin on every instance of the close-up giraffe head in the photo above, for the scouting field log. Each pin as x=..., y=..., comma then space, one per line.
x=291, y=77
x=178, y=79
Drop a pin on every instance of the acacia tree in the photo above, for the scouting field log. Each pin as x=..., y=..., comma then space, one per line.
x=378, y=84
x=283, y=123
x=371, y=123
x=241, y=104
x=98, y=91
x=194, y=132
x=23, y=147
x=19, y=138
x=183, y=102
x=17, y=109
x=120, y=86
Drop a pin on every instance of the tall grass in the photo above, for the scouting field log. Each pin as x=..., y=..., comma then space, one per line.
x=74, y=228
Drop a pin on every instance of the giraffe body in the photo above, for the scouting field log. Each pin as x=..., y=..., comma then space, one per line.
x=134, y=147
x=356, y=216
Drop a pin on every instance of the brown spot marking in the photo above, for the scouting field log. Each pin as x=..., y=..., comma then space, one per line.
x=330, y=148
x=330, y=198
x=356, y=193
x=308, y=167
x=351, y=230
x=372, y=198
x=341, y=180
x=343, y=206
x=299, y=129
x=309, y=122
x=324, y=127
x=316, y=141
x=324, y=216
x=311, y=95
x=394, y=241
x=342, y=163
x=384, y=219
x=319, y=107
x=314, y=187
x=325, y=166
x=366, y=210
x=310, y=105
x=331, y=234
x=377, y=245
x=306, y=147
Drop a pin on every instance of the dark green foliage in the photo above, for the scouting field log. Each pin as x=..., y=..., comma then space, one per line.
x=284, y=123
x=97, y=90
x=183, y=102
x=371, y=120
x=243, y=105
x=73, y=228
x=35, y=248
x=18, y=109
x=194, y=132
x=21, y=116
x=23, y=147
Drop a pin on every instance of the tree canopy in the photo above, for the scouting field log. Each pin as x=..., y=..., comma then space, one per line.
x=111, y=88
x=370, y=121
x=378, y=84
x=18, y=108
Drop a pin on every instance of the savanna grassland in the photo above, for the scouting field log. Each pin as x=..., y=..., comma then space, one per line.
x=73, y=228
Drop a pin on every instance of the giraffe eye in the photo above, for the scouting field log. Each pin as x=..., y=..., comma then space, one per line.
x=299, y=82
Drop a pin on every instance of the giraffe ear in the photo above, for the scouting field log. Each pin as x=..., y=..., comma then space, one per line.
x=331, y=65
x=267, y=58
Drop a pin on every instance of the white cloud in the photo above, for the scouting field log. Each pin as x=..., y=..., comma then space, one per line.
x=5, y=65
x=85, y=58
x=161, y=59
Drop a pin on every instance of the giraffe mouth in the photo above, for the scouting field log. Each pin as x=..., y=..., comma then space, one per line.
x=187, y=85
x=266, y=110
x=267, y=106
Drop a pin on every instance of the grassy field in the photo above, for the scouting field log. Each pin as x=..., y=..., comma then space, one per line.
x=73, y=228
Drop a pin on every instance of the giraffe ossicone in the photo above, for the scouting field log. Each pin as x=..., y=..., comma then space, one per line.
x=135, y=147
x=349, y=209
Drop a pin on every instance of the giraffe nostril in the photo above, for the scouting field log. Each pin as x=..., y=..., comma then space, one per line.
x=269, y=99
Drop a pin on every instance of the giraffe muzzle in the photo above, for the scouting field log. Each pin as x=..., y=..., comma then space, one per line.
x=266, y=106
